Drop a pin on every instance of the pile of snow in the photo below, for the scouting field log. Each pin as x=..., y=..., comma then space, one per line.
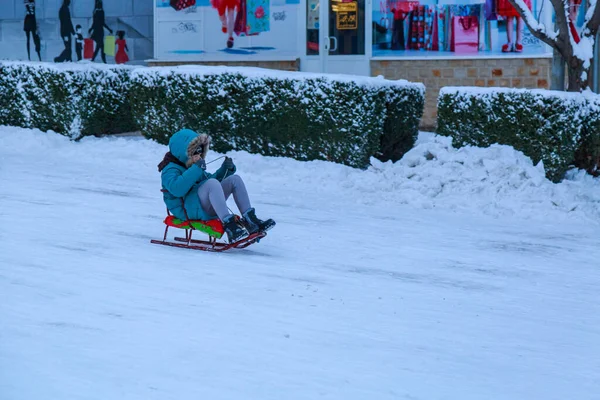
x=497, y=181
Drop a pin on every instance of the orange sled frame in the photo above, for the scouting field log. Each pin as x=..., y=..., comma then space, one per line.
x=215, y=227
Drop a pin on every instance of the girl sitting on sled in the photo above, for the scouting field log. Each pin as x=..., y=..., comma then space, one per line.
x=184, y=176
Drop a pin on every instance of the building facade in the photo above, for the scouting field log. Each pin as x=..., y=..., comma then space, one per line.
x=343, y=36
x=436, y=42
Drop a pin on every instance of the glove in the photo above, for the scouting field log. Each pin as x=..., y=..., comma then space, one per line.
x=228, y=164
x=201, y=163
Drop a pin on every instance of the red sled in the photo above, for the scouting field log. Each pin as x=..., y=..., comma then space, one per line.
x=182, y=4
x=88, y=49
x=214, y=230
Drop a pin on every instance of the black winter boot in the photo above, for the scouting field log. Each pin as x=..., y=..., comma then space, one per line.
x=253, y=224
x=235, y=232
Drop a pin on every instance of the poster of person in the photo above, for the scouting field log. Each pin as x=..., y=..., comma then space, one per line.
x=31, y=29
x=218, y=29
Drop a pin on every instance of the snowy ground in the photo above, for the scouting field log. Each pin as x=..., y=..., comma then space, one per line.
x=449, y=275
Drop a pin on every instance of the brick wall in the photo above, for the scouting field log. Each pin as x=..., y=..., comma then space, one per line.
x=435, y=74
x=132, y=16
x=280, y=65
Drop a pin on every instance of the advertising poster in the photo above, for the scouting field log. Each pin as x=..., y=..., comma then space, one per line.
x=226, y=29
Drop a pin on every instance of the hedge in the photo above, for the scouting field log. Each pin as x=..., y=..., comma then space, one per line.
x=71, y=99
x=561, y=129
x=305, y=116
x=276, y=113
x=588, y=154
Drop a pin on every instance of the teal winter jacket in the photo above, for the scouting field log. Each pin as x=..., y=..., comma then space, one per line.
x=181, y=182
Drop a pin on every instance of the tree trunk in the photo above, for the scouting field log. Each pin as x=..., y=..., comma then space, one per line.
x=558, y=72
x=574, y=80
x=576, y=70
x=596, y=66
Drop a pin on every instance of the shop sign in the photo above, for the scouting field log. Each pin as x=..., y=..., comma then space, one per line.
x=346, y=16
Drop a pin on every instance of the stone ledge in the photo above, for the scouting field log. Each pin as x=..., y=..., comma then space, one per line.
x=521, y=72
x=285, y=65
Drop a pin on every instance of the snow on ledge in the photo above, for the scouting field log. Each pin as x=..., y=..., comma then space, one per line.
x=200, y=70
x=255, y=72
x=83, y=66
x=491, y=91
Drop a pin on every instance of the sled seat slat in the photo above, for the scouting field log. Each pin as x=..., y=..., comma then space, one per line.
x=212, y=228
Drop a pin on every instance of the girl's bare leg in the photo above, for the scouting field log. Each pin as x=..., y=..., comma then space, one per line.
x=230, y=21
x=520, y=24
x=509, y=29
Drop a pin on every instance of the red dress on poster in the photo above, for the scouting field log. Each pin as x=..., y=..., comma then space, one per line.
x=505, y=9
x=227, y=10
x=223, y=5
x=121, y=57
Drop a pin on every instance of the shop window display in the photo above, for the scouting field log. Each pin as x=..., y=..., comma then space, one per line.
x=454, y=27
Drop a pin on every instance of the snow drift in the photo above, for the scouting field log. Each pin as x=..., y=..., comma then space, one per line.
x=496, y=181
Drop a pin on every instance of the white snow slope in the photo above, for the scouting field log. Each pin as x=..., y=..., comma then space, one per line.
x=452, y=274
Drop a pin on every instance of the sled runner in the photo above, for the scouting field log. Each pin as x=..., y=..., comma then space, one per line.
x=214, y=230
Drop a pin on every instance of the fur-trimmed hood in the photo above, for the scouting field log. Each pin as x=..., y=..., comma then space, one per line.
x=200, y=140
x=184, y=144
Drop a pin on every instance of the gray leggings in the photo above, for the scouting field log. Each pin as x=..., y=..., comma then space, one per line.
x=214, y=194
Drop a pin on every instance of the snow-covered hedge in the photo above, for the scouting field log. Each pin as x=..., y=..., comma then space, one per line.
x=71, y=99
x=558, y=128
x=305, y=116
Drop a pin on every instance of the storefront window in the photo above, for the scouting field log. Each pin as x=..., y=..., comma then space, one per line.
x=312, y=27
x=459, y=27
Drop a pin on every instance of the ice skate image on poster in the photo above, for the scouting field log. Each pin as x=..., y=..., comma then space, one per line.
x=179, y=7
x=182, y=4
